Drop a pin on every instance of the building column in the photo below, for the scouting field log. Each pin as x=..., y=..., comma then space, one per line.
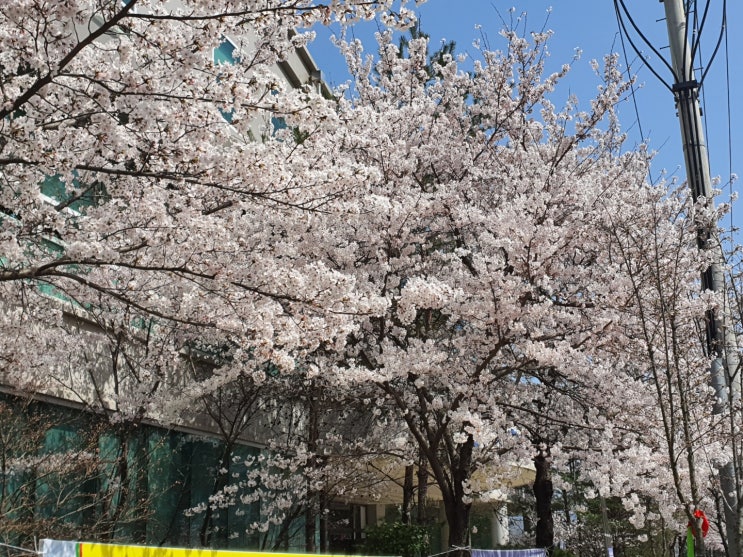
x=374, y=515
x=499, y=526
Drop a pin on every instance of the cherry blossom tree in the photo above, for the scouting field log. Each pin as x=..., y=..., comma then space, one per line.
x=144, y=193
x=662, y=265
x=657, y=439
x=324, y=444
x=150, y=214
x=732, y=405
x=71, y=474
x=503, y=234
x=637, y=424
x=481, y=229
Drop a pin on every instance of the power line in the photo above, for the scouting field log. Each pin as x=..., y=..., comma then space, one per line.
x=696, y=31
x=723, y=27
x=730, y=125
x=632, y=87
x=617, y=4
x=623, y=13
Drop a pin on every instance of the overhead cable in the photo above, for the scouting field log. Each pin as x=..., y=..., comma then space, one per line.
x=621, y=3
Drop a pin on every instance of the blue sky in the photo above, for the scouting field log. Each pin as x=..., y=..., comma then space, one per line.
x=591, y=26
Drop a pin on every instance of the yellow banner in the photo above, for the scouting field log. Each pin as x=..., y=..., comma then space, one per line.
x=57, y=548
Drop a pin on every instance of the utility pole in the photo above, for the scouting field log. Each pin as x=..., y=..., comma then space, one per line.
x=720, y=341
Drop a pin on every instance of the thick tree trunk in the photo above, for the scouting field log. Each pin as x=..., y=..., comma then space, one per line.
x=457, y=502
x=459, y=520
x=545, y=530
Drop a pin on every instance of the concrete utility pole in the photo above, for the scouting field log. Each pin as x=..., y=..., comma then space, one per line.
x=720, y=340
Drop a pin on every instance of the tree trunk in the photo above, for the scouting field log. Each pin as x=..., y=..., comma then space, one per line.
x=737, y=542
x=309, y=524
x=311, y=509
x=422, y=489
x=459, y=521
x=407, y=494
x=220, y=482
x=117, y=499
x=545, y=530
x=457, y=502
x=699, y=549
x=324, y=540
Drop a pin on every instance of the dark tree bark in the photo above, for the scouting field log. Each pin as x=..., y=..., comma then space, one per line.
x=422, y=489
x=457, y=509
x=407, y=493
x=311, y=510
x=545, y=530
x=324, y=539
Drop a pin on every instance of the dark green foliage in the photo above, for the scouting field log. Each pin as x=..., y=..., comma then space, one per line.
x=300, y=136
x=396, y=538
x=437, y=58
